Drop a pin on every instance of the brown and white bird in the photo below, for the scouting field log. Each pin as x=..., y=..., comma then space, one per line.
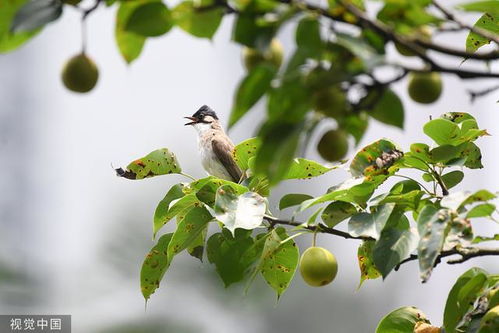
x=215, y=146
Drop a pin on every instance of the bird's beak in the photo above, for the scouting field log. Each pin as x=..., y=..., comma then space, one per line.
x=192, y=122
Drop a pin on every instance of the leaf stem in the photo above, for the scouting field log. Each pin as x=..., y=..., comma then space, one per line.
x=187, y=176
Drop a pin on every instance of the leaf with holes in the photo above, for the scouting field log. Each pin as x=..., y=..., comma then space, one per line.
x=154, y=266
x=239, y=211
x=279, y=261
x=188, y=229
x=301, y=168
x=488, y=22
x=159, y=162
x=368, y=270
x=244, y=151
x=364, y=162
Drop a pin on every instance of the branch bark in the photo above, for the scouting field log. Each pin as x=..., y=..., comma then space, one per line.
x=318, y=228
x=464, y=253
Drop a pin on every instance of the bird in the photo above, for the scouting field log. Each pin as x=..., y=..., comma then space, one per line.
x=215, y=147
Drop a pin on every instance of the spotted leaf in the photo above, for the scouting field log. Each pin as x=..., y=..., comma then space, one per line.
x=154, y=266
x=188, y=229
x=159, y=162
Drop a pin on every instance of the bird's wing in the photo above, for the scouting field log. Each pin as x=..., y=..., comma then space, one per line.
x=223, y=151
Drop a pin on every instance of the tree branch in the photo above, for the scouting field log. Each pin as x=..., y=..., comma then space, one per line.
x=319, y=228
x=465, y=253
x=463, y=25
x=480, y=93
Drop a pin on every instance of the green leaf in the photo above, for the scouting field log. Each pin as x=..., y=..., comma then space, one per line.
x=249, y=32
x=393, y=246
x=198, y=22
x=442, y=131
x=308, y=35
x=245, y=211
x=35, y=14
x=483, y=210
x=463, y=289
x=366, y=264
x=409, y=200
x=457, y=200
x=232, y=255
x=452, y=178
x=302, y=168
x=474, y=156
x=244, y=151
x=446, y=152
x=401, y=320
x=154, y=266
x=188, y=229
x=206, y=188
x=405, y=186
x=480, y=239
x=488, y=22
x=352, y=190
x=370, y=225
x=364, y=162
x=490, y=6
x=336, y=212
x=433, y=226
x=157, y=163
x=356, y=125
x=279, y=261
x=277, y=151
x=129, y=43
x=361, y=49
x=161, y=215
x=8, y=40
x=150, y=20
x=251, y=89
x=389, y=109
x=293, y=199
x=196, y=248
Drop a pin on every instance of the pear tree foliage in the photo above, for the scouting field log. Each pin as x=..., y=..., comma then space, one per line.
x=399, y=203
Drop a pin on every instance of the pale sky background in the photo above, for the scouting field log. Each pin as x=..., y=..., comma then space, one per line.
x=77, y=234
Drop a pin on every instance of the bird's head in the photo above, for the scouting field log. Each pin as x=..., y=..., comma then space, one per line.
x=205, y=115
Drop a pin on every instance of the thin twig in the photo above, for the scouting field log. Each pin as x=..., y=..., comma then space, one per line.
x=465, y=253
x=480, y=93
x=316, y=228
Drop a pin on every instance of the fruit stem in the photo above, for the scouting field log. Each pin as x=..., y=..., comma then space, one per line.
x=314, y=239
